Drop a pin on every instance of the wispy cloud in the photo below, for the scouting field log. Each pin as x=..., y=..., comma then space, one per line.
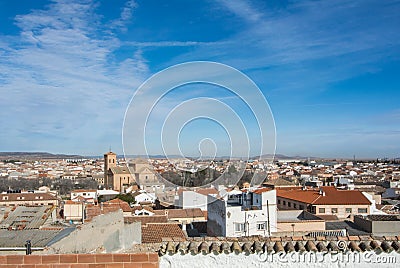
x=60, y=79
x=243, y=9
x=349, y=38
x=172, y=44
x=125, y=16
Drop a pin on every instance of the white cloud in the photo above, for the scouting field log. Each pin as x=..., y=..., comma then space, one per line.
x=243, y=9
x=61, y=82
x=125, y=16
x=291, y=43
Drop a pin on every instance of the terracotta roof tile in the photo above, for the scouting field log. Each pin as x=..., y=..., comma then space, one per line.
x=331, y=196
x=117, y=203
x=255, y=245
x=158, y=232
x=261, y=190
x=146, y=219
x=184, y=213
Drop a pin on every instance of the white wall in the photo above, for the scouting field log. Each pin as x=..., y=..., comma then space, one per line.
x=294, y=259
x=223, y=218
x=86, y=195
x=73, y=211
x=191, y=199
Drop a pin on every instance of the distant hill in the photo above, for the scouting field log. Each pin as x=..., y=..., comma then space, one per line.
x=34, y=155
x=281, y=156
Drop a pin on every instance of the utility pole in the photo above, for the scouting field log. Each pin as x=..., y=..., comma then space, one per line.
x=269, y=229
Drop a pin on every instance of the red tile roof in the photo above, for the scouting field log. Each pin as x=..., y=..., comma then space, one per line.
x=146, y=219
x=118, y=203
x=27, y=197
x=157, y=232
x=184, y=213
x=332, y=196
x=261, y=190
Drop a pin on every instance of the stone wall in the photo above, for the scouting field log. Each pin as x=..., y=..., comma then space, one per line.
x=105, y=233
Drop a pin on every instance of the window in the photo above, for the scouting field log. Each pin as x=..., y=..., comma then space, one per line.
x=279, y=202
x=349, y=210
x=321, y=210
x=294, y=205
x=261, y=226
x=284, y=203
x=5, y=197
x=334, y=210
x=239, y=227
x=362, y=210
x=301, y=207
x=289, y=204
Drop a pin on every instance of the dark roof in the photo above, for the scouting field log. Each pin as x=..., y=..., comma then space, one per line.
x=39, y=238
x=27, y=217
x=328, y=217
x=383, y=217
x=351, y=228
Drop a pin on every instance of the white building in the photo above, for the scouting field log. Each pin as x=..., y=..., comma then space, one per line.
x=196, y=198
x=74, y=211
x=243, y=213
x=144, y=197
x=88, y=196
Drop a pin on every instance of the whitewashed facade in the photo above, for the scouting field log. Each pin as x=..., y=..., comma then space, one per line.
x=238, y=214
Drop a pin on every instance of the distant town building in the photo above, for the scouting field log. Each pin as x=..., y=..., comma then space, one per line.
x=87, y=196
x=145, y=176
x=326, y=200
x=25, y=198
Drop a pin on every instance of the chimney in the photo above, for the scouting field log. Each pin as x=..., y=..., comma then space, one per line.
x=321, y=192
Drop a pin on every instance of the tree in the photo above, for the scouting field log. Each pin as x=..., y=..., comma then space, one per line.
x=129, y=198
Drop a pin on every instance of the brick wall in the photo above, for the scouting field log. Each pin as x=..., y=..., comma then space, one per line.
x=114, y=260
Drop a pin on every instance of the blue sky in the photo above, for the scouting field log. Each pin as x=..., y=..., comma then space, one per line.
x=329, y=69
